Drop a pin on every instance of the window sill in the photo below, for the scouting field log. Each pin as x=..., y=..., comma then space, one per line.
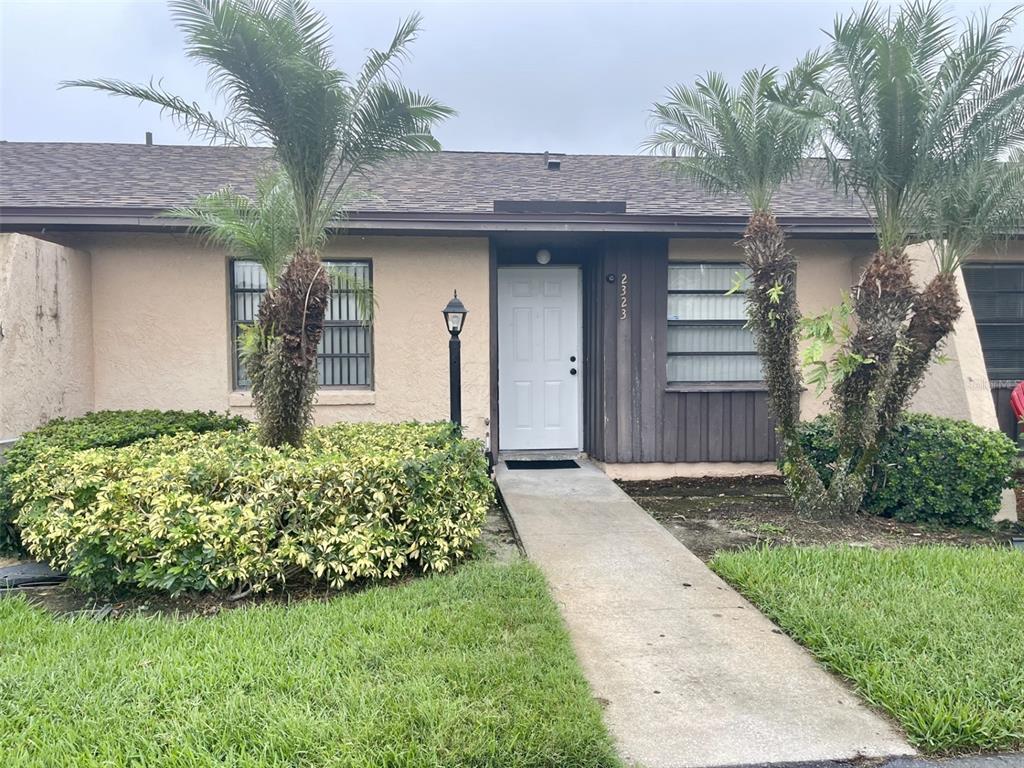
x=738, y=386
x=243, y=399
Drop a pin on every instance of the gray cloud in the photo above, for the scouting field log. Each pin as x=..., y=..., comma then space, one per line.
x=565, y=77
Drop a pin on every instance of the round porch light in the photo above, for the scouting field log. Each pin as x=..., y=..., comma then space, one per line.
x=543, y=256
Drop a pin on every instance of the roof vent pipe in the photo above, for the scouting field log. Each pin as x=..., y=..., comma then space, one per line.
x=149, y=138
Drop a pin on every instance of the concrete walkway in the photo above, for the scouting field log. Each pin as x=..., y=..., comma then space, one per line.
x=689, y=672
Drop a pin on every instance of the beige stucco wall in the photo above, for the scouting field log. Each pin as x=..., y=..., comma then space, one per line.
x=957, y=385
x=160, y=322
x=45, y=333
x=142, y=320
x=161, y=327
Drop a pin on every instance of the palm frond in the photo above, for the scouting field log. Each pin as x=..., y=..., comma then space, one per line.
x=189, y=116
x=270, y=63
x=908, y=100
x=360, y=290
x=746, y=139
x=381, y=63
x=263, y=229
x=981, y=203
x=380, y=118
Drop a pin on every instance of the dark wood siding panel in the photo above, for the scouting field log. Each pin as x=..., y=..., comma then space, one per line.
x=630, y=416
x=619, y=369
x=594, y=426
x=718, y=426
x=692, y=436
x=651, y=394
x=630, y=265
x=609, y=374
x=670, y=428
x=739, y=447
x=659, y=262
x=492, y=297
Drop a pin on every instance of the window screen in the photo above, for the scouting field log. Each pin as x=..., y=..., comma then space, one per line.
x=997, y=298
x=344, y=356
x=707, y=340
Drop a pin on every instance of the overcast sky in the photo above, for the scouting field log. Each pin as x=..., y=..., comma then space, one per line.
x=564, y=77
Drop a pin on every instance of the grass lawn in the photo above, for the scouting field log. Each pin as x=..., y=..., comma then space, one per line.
x=933, y=635
x=473, y=668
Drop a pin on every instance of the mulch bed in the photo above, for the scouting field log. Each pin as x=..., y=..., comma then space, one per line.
x=712, y=514
x=65, y=600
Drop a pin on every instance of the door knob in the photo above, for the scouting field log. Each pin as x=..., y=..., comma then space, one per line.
x=572, y=358
x=572, y=371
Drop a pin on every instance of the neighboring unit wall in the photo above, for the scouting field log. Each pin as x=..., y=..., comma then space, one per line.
x=163, y=340
x=956, y=385
x=45, y=333
x=1007, y=253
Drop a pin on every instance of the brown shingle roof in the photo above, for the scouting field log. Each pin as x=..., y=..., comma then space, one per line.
x=135, y=176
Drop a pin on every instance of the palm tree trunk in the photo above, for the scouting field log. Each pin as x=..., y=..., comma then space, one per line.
x=284, y=379
x=934, y=313
x=774, y=316
x=881, y=302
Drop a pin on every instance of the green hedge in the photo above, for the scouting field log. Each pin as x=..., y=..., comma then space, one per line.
x=932, y=469
x=219, y=510
x=94, y=430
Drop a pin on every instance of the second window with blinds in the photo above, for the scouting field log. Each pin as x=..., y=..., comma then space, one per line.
x=345, y=354
x=708, y=342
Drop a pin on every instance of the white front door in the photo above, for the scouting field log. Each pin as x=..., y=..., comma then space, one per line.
x=539, y=372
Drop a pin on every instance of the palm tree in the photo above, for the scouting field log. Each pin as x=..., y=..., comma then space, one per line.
x=264, y=229
x=983, y=202
x=909, y=108
x=271, y=64
x=741, y=141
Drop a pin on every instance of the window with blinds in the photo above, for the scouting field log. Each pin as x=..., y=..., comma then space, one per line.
x=996, y=292
x=344, y=356
x=707, y=340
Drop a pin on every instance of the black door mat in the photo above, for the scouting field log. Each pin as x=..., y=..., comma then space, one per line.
x=30, y=574
x=542, y=464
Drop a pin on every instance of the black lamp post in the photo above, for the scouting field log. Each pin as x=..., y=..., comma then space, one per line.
x=455, y=317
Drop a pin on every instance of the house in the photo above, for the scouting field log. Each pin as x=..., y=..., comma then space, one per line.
x=598, y=320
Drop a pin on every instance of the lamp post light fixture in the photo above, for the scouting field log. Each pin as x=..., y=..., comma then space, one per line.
x=455, y=318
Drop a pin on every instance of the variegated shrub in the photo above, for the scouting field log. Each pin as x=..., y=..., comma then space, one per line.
x=219, y=510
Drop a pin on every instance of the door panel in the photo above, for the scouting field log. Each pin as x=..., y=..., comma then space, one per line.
x=538, y=334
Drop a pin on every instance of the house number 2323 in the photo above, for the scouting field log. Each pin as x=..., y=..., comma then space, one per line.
x=623, y=296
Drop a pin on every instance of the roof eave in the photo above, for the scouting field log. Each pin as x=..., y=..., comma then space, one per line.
x=150, y=219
